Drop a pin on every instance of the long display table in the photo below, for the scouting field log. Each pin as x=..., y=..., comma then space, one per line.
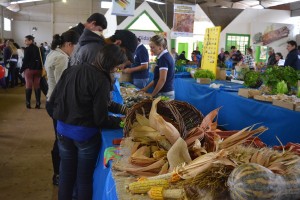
x=103, y=186
x=238, y=112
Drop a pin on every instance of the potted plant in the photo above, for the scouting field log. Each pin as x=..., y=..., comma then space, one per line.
x=204, y=76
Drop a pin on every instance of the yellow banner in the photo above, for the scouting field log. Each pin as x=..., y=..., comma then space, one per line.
x=210, y=49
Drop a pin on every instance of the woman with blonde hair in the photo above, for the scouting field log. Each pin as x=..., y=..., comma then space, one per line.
x=163, y=81
x=10, y=55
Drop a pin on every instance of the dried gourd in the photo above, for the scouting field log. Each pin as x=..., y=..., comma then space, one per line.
x=253, y=181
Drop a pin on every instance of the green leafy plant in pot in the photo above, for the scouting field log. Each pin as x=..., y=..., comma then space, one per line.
x=252, y=79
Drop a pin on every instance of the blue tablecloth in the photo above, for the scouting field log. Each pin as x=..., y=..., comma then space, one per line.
x=236, y=113
x=103, y=182
x=239, y=112
x=182, y=75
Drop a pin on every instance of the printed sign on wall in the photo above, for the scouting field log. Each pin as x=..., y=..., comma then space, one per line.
x=123, y=7
x=183, y=20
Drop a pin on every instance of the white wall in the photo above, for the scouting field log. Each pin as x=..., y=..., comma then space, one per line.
x=52, y=18
x=249, y=17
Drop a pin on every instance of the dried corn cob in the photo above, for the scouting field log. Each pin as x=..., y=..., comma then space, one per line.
x=159, y=193
x=156, y=193
x=141, y=187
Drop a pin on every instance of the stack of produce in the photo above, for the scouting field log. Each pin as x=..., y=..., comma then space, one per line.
x=202, y=162
x=131, y=95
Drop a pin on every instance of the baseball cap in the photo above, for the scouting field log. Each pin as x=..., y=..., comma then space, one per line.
x=99, y=19
x=129, y=42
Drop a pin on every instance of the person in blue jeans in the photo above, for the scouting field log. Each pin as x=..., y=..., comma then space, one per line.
x=140, y=67
x=80, y=102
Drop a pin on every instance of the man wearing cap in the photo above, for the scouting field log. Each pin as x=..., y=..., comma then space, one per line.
x=139, y=68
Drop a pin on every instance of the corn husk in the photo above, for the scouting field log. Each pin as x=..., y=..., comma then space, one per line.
x=150, y=170
x=142, y=120
x=178, y=154
x=142, y=157
x=240, y=137
x=203, y=163
x=157, y=122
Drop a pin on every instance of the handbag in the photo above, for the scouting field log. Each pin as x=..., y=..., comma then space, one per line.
x=43, y=80
x=44, y=73
x=44, y=85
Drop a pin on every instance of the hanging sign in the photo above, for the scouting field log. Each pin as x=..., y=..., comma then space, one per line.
x=123, y=7
x=183, y=20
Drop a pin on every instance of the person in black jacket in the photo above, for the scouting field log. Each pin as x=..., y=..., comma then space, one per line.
x=292, y=59
x=80, y=101
x=32, y=66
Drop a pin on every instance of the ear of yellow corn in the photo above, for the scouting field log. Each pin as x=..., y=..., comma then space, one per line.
x=156, y=193
x=141, y=187
x=174, y=178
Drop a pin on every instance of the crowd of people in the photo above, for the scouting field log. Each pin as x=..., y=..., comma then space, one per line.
x=234, y=57
x=80, y=64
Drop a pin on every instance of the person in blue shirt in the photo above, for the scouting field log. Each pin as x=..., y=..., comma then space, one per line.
x=140, y=67
x=163, y=81
x=292, y=59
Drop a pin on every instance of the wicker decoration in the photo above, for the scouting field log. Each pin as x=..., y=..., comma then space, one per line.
x=190, y=115
x=181, y=114
x=167, y=111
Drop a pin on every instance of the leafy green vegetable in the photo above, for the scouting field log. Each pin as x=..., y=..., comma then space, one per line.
x=282, y=87
x=180, y=63
x=165, y=98
x=252, y=79
x=275, y=74
x=204, y=73
x=122, y=124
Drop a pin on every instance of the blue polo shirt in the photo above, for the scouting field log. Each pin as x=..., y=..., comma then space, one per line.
x=165, y=62
x=141, y=57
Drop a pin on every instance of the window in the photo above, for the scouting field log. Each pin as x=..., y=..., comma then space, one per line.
x=7, y=24
x=241, y=41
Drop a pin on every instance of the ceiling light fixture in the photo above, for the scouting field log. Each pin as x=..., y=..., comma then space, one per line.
x=23, y=1
x=64, y=1
x=156, y=1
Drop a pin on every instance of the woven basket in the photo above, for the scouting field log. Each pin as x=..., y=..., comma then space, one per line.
x=190, y=115
x=167, y=111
